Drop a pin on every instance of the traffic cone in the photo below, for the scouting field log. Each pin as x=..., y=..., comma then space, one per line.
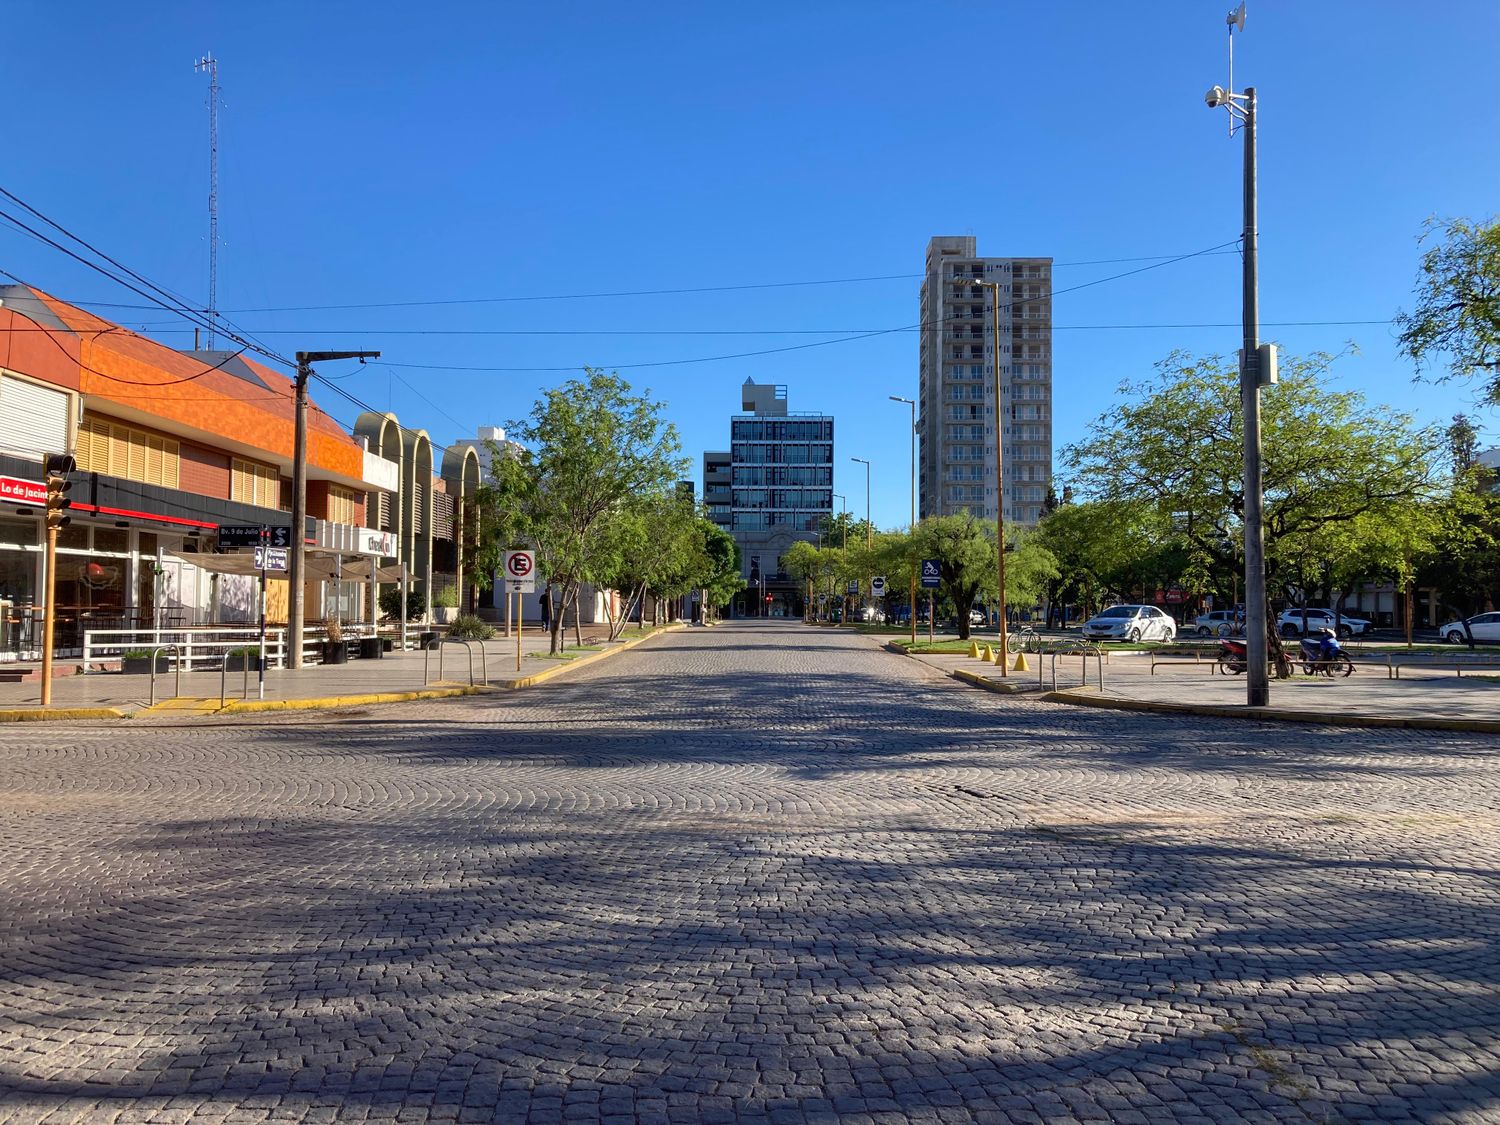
x=973, y=650
x=1021, y=665
x=1000, y=658
x=986, y=655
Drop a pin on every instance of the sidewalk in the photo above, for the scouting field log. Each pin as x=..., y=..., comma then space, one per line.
x=1425, y=698
x=398, y=675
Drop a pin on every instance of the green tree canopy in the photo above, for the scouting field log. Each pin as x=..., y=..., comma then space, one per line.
x=588, y=448
x=1457, y=316
x=1332, y=463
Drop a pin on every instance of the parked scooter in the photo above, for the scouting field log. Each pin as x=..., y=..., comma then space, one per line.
x=1324, y=655
x=1232, y=656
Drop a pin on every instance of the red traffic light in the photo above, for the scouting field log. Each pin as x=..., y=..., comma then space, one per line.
x=770, y=598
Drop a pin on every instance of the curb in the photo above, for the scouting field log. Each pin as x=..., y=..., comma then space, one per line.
x=43, y=714
x=567, y=665
x=334, y=702
x=1001, y=687
x=1274, y=714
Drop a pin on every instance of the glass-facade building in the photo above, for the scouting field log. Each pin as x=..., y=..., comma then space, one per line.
x=772, y=487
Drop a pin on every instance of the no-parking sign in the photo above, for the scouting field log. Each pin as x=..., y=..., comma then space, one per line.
x=520, y=571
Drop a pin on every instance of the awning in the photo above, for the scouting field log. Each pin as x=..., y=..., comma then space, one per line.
x=319, y=567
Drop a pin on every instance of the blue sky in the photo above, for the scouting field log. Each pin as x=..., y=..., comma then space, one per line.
x=384, y=153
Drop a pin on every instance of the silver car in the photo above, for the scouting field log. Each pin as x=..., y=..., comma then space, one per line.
x=1130, y=623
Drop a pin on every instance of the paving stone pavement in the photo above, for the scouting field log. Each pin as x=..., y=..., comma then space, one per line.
x=761, y=873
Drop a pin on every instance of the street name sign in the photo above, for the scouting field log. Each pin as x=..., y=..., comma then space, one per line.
x=932, y=573
x=271, y=558
x=249, y=535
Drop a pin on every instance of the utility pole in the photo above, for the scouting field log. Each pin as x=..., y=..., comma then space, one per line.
x=1257, y=370
x=296, y=611
x=211, y=64
x=913, y=529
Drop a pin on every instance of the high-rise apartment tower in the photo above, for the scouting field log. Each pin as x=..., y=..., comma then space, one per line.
x=957, y=392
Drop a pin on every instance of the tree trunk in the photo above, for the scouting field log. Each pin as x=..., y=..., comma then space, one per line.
x=577, y=618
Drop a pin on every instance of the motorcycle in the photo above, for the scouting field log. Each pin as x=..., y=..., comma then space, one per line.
x=1335, y=662
x=1232, y=657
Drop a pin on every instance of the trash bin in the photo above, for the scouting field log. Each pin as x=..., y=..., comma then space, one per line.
x=428, y=640
x=387, y=644
x=370, y=648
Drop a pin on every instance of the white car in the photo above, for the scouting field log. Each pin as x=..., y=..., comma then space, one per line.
x=1219, y=623
x=1485, y=627
x=1130, y=623
x=1290, y=622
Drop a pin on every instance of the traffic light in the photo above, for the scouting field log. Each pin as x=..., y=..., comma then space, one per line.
x=59, y=465
x=770, y=598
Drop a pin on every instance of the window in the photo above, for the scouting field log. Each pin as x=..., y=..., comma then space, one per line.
x=123, y=451
x=252, y=483
x=345, y=506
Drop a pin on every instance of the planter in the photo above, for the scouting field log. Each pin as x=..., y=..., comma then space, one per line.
x=242, y=662
x=335, y=652
x=444, y=615
x=139, y=665
x=371, y=648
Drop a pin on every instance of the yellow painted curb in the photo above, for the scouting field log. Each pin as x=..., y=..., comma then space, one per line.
x=43, y=714
x=1001, y=686
x=332, y=702
x=548, y=673
x=1274, y=714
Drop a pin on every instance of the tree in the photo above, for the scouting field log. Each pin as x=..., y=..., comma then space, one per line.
x=588, y=448
x=648, y=545
x=1332, y=464
x=722, y=577
x=1458, y=303
x=965, y=550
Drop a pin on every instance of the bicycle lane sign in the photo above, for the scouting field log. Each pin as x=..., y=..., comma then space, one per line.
x=932, y=573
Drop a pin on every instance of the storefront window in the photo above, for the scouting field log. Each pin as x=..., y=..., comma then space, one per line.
x=75, y=538
x=19, y=533
x=111, y=541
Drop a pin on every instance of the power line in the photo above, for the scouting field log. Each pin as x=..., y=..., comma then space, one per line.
x=678, y=291
x=815, y=343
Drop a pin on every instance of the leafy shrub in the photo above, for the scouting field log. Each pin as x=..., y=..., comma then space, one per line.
x=468, y=627
x=445, y=597
x=390, y=604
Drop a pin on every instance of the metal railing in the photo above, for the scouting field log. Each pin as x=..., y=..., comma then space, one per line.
x=201, y=646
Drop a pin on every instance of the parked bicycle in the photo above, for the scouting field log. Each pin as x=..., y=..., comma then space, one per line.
x=1023, y=639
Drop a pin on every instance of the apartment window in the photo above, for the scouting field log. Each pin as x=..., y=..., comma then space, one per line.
x=252, y=483
x=344, y=506
x=124, y=451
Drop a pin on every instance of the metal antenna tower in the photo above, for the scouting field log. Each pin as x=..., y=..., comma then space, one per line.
x=211, y=64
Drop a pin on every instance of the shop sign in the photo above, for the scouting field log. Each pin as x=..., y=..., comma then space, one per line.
x=13, y=490
x=381, y=543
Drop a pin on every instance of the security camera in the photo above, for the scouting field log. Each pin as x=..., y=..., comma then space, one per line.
x=1216, y=97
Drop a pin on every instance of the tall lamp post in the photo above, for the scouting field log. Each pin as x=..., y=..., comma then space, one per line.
x=1257, y=369
x=869, y=527
x=994, y=288
x=913, y=603
x=844, y=526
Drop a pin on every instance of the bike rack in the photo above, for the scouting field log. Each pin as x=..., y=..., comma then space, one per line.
x=165, y=648
x=468, y=647
x=1073, y=647
x=224, y=677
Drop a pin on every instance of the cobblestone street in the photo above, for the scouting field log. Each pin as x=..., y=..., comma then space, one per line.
x=757, y=873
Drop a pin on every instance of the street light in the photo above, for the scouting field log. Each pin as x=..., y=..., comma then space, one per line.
x=869, y=527
x=1257, y=369
x=994, y=288
x=844, y=526
x=913, y=404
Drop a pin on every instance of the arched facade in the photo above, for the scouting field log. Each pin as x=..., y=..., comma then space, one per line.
x=461, y=474
x=416, y=509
